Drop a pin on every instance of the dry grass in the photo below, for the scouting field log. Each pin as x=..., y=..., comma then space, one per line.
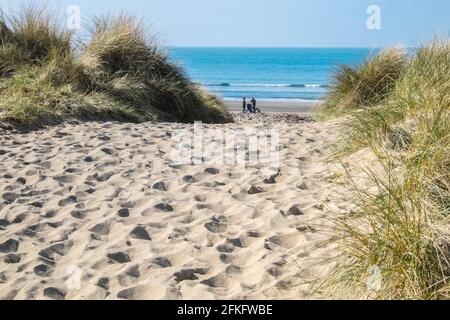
x=403, y=227
x=120, y=73
x=365, y=85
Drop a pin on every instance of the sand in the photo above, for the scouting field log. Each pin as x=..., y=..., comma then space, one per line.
x=98, y=211
x=287, y=106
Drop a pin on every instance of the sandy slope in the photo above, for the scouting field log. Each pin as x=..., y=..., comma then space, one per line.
x=101, y=200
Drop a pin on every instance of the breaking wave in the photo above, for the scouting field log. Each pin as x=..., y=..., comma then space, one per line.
x=266, y=85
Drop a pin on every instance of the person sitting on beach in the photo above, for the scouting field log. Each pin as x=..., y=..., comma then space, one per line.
x=254, y=108
x=250, y=108
x=244, y=105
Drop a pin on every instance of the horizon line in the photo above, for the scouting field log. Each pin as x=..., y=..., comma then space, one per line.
x=282, y=47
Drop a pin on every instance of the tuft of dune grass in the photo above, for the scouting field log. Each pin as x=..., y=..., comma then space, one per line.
x=120, y=73
x=127, y=63
x=34, y=34
x=403, y=228
x=365, y=85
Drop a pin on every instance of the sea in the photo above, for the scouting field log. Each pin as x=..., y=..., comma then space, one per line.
x=302, y=74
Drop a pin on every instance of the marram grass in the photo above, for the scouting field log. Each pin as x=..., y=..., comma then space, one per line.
x=365, y=85
x=120, y=73
x=403, y=228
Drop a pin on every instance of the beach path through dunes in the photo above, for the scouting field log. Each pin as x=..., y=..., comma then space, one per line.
x=98, y=211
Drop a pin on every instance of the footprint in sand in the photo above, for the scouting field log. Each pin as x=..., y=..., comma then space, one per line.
x=189, y=179
x=89, y=159
x=233, y=270
x=200, y=198
x=275, y=271
x=140, y=233
x=103, y=283
x=287, y=241
x=119, y=257
x=68, y=201
x=10, y=197
x=217, y=225
x=124, y=212
x=3, y=224
x=242, y=242
x=255, y=234
x=77, y=214
x=130, y=276
x=109, y=151
x=162, y=262
x=30, y=231
x=165, y=207
x=64, y=179
x=12, y=259
x=103, y=138
x=255, y=189
x=293, y=211
x=103, y=177
x=101, y=229
x=303, y=186
x=219, y=281
x=54, y=293
x=61, y=249
x=9, y=246
x=161, y=186
x=43, y=270
x=21, y=217
x=212, y=171
x=37, y=204
x=225, y=248
x=189, y=274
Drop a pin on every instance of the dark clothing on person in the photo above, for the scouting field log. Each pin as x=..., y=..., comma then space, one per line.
x=253, y=102
x=250, y=108
x=244, y=105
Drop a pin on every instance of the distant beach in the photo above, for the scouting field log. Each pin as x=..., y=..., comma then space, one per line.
x=276, y=105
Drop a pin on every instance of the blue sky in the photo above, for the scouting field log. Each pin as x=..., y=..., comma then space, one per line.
x=277, y=23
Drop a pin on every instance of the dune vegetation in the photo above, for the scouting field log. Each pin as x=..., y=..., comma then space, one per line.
x=119, y=73
x=396, y=106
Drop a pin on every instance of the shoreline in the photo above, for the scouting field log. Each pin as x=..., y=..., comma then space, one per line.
x=279, y=106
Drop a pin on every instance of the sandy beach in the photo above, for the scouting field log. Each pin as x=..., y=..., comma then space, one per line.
x=97, y=211
x=130, y=171
x=279, y=106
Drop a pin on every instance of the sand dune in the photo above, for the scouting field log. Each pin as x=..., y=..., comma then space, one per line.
x=101, y=203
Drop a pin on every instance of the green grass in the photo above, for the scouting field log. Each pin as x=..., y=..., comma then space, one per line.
x=120, y=73
x=365, y=85
x=28, y=100
x=403, y=228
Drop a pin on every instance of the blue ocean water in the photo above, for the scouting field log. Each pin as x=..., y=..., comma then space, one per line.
x=266, y=73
